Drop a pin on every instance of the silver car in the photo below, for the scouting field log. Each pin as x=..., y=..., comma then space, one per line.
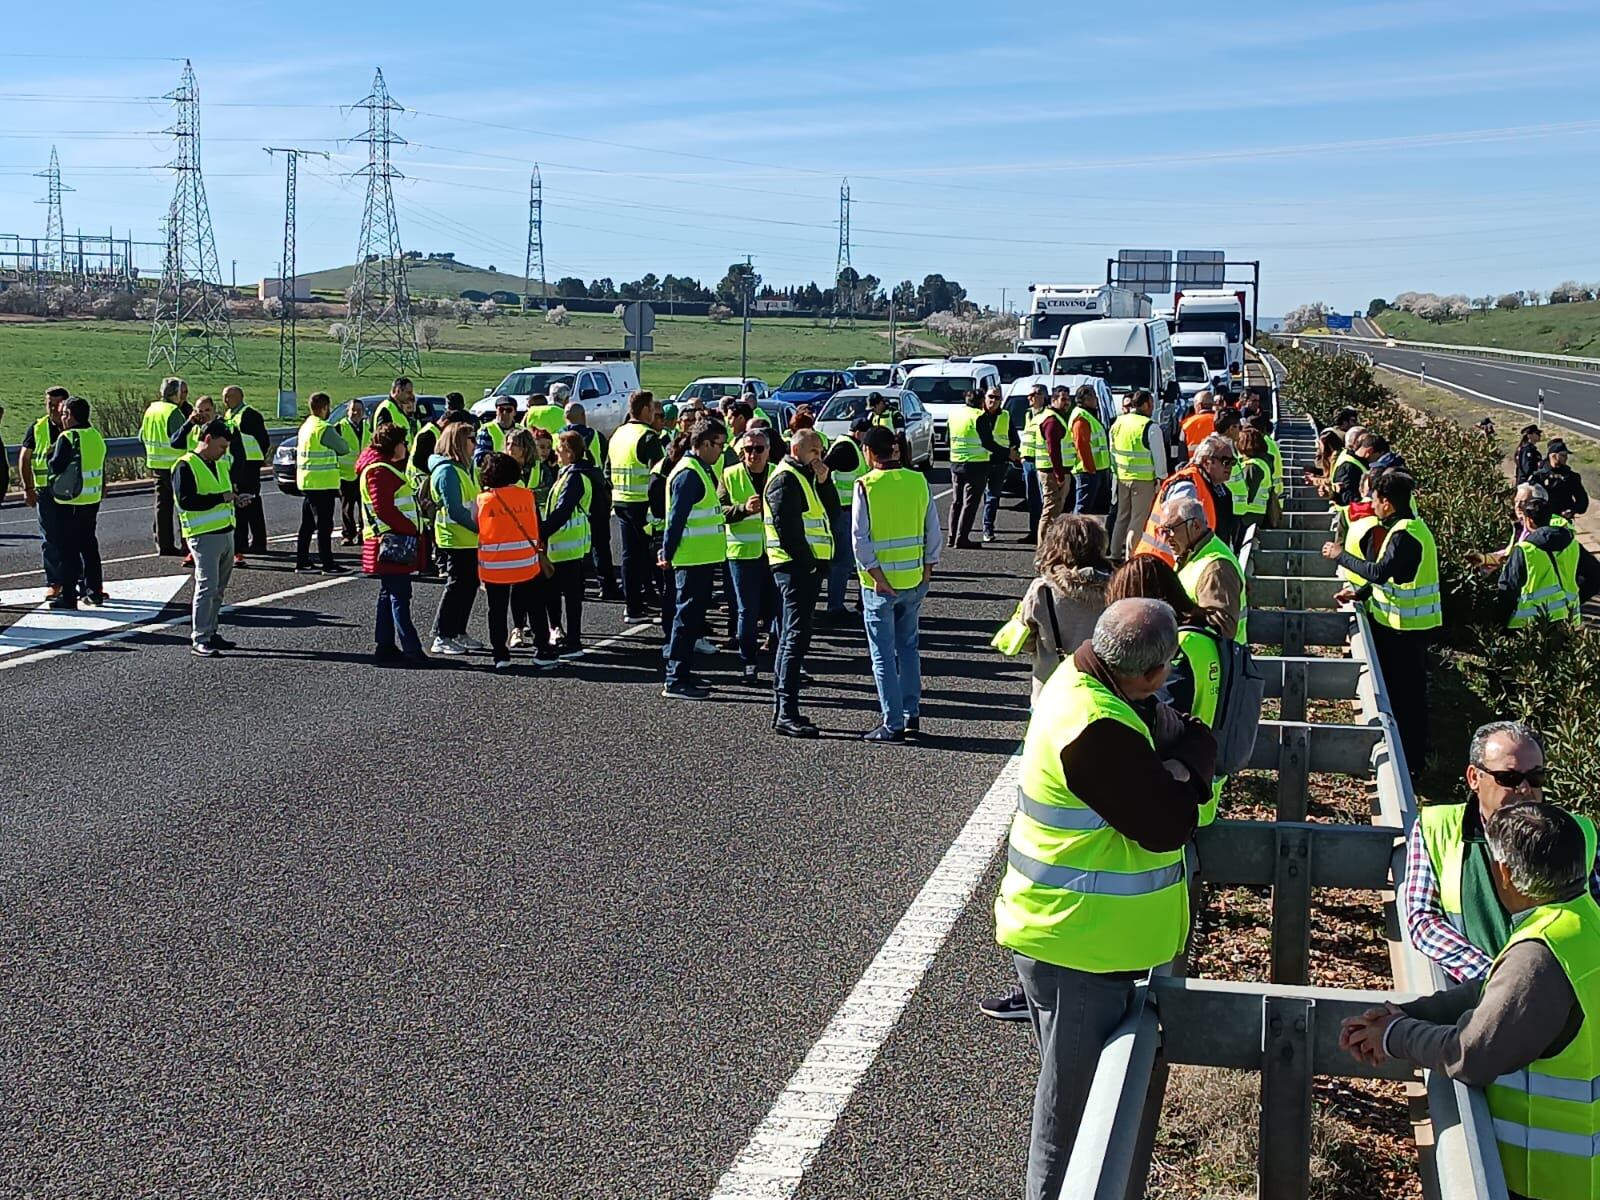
x=843, y=409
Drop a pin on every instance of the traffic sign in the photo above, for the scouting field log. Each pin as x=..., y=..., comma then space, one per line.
x=1337, y=321
x=638, y=318
x=1201, y=269
x=1145, y=270
x=639, y=343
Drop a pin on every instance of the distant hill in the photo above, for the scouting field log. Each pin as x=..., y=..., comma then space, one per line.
x=439, y=278
x=1547, y=328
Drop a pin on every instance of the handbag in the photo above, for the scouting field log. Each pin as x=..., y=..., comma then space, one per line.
x=398, y=549
x=69, y=484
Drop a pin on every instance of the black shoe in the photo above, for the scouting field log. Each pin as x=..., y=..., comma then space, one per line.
x=204, y=650
x=784, y=727
x=805, y=676
x=612, y=593
x=637, y=618
x=914, y=726
x=884, y=734
x=752, y=676
x=1009, y=1005
x=218, y=642
x=332, y=569
x=387, y=654
x=304, y=569
x=64, y=602
x=1028, y=539
x=685, y=691
x=965, y=544
x=988, y=535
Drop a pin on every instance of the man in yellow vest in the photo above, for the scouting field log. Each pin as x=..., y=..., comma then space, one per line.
x=1139, y=458
x=356, y=432
x=203, y=491
x=163, y=418
x=33, y=466
x=1091, y=481
x=317, y=452
x=798, y=517
x=634, y=449
x=1031, y=446
x=1546, y=575
x=596, y=464
x=1449, y=904
x=250, y=452
x=1094, y=895
x=77, y=473
x=1399, y=570
x=694, y=548
x=895, y=531
x=1526, y=1034
x=1209, y=571
x=492, y=433
x=755, y=595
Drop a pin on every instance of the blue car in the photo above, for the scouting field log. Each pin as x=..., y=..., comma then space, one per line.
x=813, y=386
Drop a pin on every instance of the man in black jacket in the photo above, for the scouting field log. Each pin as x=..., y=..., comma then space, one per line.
x=249, y=430
x=799, y=565
x=1534, y=513
x=1563, y=485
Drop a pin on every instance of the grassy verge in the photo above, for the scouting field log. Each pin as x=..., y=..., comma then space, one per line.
x=1547, y=329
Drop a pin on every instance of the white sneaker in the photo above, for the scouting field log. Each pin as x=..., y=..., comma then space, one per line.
x=467, y=642
x=705, y=646
x=448, y=646
x=517, y=640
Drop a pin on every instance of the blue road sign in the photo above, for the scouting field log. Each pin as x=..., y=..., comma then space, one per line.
x=1336, y=321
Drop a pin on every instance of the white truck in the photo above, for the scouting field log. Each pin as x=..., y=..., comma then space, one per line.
x=601, y=379
x=1216, y=312
x=1056, y=307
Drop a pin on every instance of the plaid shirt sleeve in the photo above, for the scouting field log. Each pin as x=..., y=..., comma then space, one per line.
x=1430, y=931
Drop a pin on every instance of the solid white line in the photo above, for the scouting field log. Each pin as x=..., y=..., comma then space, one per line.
x=1461, y=387
x=35, y=520
x=150, y=626
x=106, y=562
x=790, y=1137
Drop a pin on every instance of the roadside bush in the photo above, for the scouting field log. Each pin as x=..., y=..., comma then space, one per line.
x=427, y=333
x=558, y=316
x=337, y=331
x=719, y=313
x=21, y=300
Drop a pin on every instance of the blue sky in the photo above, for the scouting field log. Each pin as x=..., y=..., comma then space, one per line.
x=1358, y=150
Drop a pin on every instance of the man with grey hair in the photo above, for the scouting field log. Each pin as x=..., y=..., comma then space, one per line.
x=1522, y=1033
x=1207, y=567
x=798, y=515
x=1094, y=894
x=166, y=414
x=1449, y=903
x=548, y=410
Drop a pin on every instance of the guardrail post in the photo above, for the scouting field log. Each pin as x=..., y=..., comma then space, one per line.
x=1294, y=632
x=1291, y=907
x=1283, y=1160
x=1294, y=769
x=1292, y=701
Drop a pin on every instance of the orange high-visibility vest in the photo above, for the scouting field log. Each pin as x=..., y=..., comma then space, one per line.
x=1198, y=428
x=1152, y=540
x=509, y=538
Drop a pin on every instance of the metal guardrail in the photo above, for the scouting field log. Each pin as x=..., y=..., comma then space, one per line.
x=1568, y=362
x=122, y=449
x=1286, y=1029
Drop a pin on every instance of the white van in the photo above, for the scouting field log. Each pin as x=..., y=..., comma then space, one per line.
x=1127, y=354
x=1213, y=347
x=601, y=380
x=943, y=387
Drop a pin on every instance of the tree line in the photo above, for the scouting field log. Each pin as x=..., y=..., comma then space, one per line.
x=852, y=292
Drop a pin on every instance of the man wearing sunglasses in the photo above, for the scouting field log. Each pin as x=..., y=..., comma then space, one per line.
x=1451, y=908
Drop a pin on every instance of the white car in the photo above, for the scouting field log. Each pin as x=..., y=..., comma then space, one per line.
x=1015, y=366
x=878, y=375
x=712, y=389
x=1194, y=377
x=1016, y=402
x=844, y=408
x=943, y=386
x=909, y=365
x=601, y=380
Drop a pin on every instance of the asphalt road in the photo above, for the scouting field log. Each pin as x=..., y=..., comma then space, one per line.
x=282, y=923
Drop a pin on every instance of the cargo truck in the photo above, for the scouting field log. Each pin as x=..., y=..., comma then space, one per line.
x=1056, y=307
x=1217, y=312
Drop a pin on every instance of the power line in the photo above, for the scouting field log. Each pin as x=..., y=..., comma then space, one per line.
x=288, y=278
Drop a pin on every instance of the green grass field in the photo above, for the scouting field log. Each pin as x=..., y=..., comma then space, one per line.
x=101, y=360
x=1547, y=329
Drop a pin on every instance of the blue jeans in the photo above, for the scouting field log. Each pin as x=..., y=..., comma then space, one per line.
x=993, y=485
x=843, y=564
x=394, y=615
x=1033, y=494
x=797, y=589
x=756, y=598
x=692, y=586
x=1091, y=493
x=892, y=632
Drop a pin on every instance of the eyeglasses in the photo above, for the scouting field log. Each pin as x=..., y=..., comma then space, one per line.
x=1534, y=777
x=752, y=450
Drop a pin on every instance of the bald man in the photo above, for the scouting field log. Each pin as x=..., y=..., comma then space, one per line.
x=800, y=516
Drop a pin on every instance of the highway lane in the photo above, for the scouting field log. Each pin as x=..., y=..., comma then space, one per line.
x=281, y=923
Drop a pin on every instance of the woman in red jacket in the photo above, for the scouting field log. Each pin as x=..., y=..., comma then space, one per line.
x=391, y=549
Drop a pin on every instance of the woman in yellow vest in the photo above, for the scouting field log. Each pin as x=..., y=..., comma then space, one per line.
x=693, y=549
x=569, y=539
x=511, y=560
x=79, y=506
x=454, y=488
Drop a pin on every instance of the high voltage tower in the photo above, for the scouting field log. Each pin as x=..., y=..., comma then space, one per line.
x=55, y=236
x=534, y=267
x=380, y=329
x=191, y=322
x=844, y=298
x=288, y=357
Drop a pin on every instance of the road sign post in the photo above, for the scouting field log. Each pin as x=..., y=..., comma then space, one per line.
x=638, y=319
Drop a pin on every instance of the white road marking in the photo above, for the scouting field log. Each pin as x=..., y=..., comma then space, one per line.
x=790, y=1137
x=106, y=562
x=1461, y=387
x=23, y=660
x=136, y=601
x=34, y=520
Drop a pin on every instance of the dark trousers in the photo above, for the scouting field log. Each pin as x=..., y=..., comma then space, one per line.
x=970, y=479
x=460, y=568
x=600, y=523
x=249, y=520
x=165, y=524
x=756, y=597
x=316, y=516
x=1032, y=496
x=52, y=540
x=1091, y=493
x=1403, y=660
x=692, y=586
x=993, y=484
x=798, y=588
x=394, y=615
x=349, y=511
x=565, y=595
x=637, y=562
x=523, y=602
x=80, y=549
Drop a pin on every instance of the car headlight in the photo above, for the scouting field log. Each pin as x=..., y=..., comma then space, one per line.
x=285, y=454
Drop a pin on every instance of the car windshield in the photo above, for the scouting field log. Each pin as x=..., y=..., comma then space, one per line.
x=1121, y=372
x=1050, y=325
x=942, y=389
x=873, y=376
x=1191, y=372
x=810, y=381
x=532, y=383
x=1227, y=323
x=1012, y=369
x=1216, y=356
x=710, y=392
x=843, y=408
